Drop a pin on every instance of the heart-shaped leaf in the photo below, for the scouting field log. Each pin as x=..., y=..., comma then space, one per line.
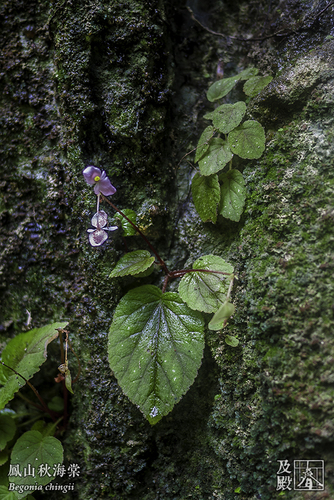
x=233, y=195
x=221, y=316
x=254, y=85
x=247, y=140
x=205, y=291
x=203, y=143
x=228, y=116
x=155, y=349
x=132, y=263
x=216, y=157
x=35, y=454
x=25, y=353
x=221, y=88
x=206, y=195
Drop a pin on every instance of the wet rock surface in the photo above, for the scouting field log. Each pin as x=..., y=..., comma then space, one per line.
x=123, y=86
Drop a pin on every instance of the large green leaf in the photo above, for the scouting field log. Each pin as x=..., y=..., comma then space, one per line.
x=155, y=349
x=228, y=116
x=25, y=353
x=221, y=88
x=133, y=263
x=254, y=85
x=206, y=195
x=247, y=140
x=35, y=454
x=203, y=143
x=233, y=195
x=205, y=291
x=216, y=157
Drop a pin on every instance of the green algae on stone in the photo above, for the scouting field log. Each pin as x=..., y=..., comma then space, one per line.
x=274, y=397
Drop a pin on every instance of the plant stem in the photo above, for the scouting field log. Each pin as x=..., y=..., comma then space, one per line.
x=165, y=283
x=44, y=407
x=79, y=365
x=230, y=288
x=162, y=263
x=31, y=403
x=62, y=358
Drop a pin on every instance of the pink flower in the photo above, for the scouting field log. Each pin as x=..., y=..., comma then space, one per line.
x=98, y=236
x=93, y=175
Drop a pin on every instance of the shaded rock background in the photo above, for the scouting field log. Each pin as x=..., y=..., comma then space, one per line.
x=122, y=85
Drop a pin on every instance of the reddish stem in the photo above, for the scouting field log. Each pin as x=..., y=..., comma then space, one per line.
x=169, y=274
x=162, y=263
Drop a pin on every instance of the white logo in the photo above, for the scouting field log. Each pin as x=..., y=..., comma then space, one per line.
x=307, y=474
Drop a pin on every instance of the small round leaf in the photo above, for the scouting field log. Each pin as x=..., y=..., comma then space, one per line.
x=203, y=143
x=132, y=263
x=205, y=291
x=233, y=195
x=254, y=85
x=221, y=88
x=247, y=140
x=231, y=341
x=221, y=316
x=228, y=116
x=206, y=195
x=216, y=157
x=248, y=73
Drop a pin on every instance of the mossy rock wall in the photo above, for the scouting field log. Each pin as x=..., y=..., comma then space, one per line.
x=90, y=82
